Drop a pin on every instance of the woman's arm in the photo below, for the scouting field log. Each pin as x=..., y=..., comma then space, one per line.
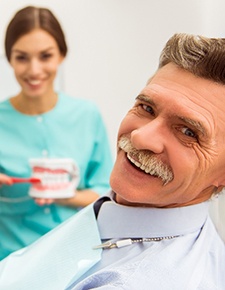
x=81, y=198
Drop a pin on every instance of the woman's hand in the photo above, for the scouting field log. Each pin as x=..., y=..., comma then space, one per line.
x=5, y=179
x=44, y=201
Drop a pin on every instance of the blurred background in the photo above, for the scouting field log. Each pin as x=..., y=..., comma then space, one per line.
x=114, y=46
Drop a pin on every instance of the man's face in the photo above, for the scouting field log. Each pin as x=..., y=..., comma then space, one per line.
x=171, y=143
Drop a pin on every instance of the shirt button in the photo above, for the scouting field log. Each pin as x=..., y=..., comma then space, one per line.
x=44, y=152
x=39, y=119
x=47, y=210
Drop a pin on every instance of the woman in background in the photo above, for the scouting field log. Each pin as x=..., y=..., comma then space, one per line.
x=40, y=122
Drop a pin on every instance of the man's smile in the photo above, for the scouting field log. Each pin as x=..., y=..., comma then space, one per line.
x=146, y=161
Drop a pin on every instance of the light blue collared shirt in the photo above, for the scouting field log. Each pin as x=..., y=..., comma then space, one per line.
x=65, y=259
x=193, y=260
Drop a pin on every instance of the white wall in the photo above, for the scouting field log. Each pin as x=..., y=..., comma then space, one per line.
x=114, y=45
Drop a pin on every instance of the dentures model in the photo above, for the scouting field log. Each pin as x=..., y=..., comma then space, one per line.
x=59, y=177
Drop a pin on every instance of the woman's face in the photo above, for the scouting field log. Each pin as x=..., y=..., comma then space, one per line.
x=35, y=58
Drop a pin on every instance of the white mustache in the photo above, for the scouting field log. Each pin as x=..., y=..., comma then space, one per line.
x=148, y=162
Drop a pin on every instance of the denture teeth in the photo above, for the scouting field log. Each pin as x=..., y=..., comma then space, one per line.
x=52, y=180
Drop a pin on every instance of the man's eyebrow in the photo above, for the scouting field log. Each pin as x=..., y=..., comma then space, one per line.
x=145, y=99
x=196, y=124
x=193, y=123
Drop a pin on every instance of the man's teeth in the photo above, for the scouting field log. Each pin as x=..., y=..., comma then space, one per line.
x=138, y=164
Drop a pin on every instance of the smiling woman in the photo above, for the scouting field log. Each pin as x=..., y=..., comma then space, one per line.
x=44, y=124
x=35, y=59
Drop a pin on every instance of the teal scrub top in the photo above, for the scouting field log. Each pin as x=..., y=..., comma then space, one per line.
x=72, y=129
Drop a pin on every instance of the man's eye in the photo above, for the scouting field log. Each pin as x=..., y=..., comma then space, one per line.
x=188, y=132
x=148, y=109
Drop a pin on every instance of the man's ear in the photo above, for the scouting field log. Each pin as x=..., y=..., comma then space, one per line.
x=219, y=189
x=220, y=181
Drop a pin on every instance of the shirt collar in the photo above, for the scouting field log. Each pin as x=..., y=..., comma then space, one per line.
x=119, y=221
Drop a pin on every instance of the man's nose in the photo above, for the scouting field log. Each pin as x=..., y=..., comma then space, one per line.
x=150, y=136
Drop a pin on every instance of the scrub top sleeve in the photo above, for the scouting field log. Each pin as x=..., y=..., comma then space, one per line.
x=100, y=165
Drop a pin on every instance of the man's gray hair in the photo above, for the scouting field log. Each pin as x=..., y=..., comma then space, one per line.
x=202, y=56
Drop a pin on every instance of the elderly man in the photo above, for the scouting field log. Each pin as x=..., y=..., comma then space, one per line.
x=153, y=230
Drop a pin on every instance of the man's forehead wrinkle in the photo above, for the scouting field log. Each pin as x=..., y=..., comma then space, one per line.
x=153, y=91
